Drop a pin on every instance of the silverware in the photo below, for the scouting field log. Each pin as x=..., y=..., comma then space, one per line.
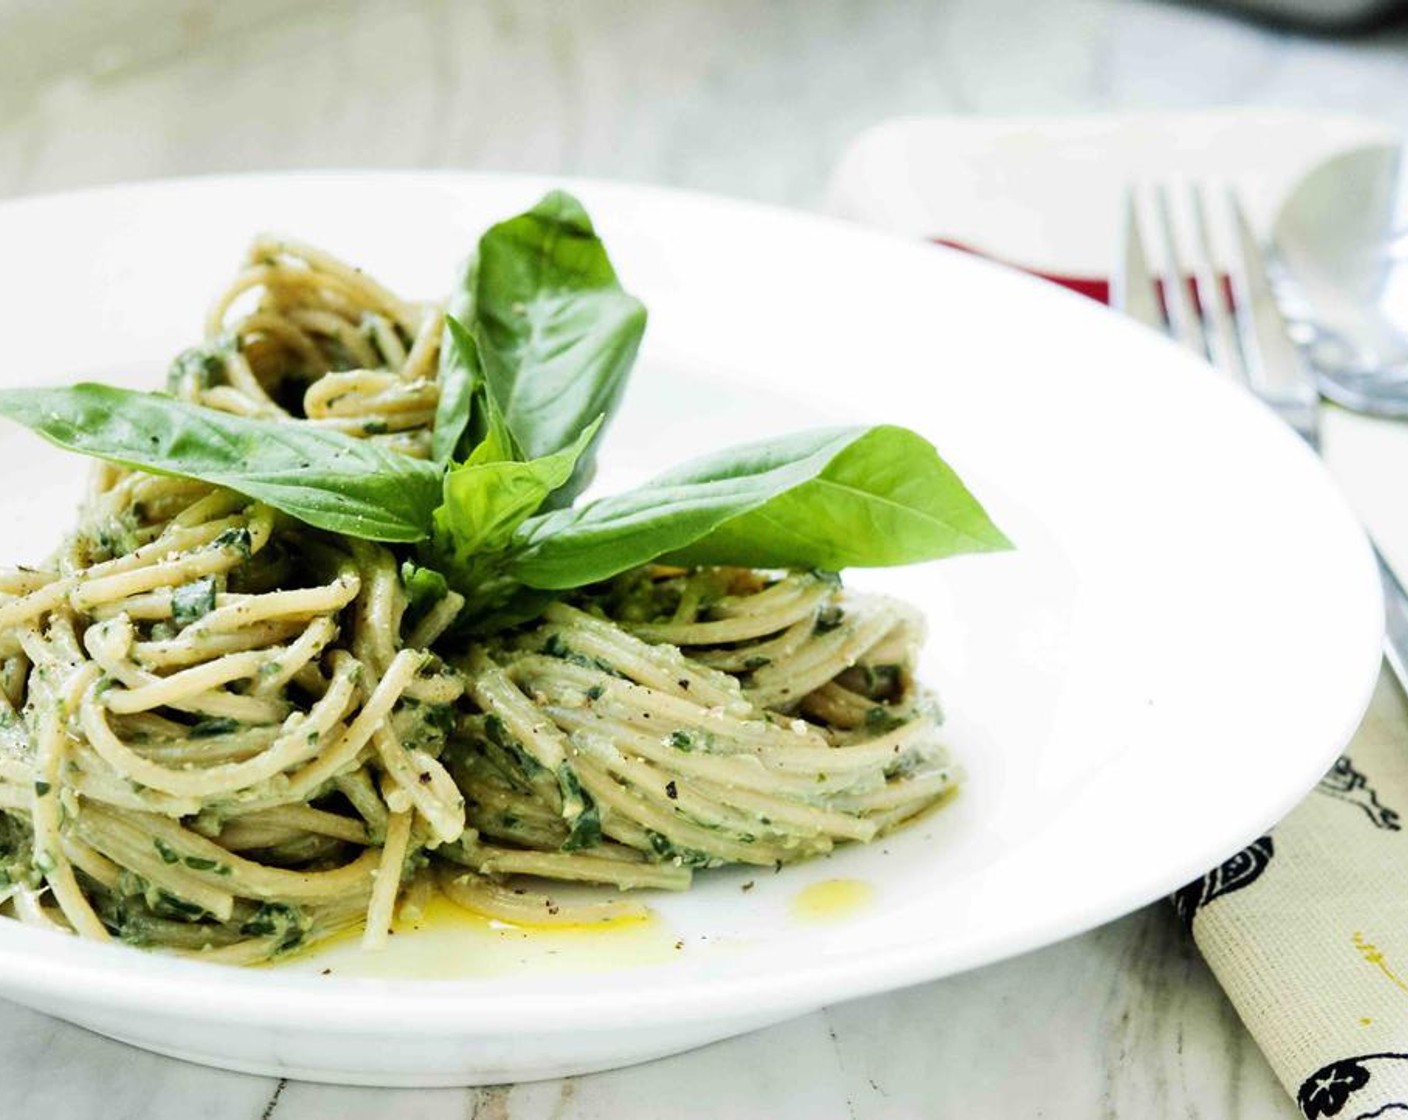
x=1239, y=328
x=1340, y=263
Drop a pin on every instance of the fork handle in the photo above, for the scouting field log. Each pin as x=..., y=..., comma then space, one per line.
x=1395, y=620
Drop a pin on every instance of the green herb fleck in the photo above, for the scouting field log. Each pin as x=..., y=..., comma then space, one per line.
x=198, y=368
x=681, y=857
x=194, y=600
x=880, y=719
x=238, y=540
x=287, y=924
x=167, y=905
x=497, y=731
x=216, y=725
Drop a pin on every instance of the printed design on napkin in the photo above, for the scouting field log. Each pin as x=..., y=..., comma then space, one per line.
x=1326, y=1091
x=1348, y=784
x=1232, y=874
x=1373, y=955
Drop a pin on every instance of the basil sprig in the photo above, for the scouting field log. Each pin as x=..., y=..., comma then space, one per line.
x=539, y=342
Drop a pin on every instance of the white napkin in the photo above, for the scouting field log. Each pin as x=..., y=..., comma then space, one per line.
x=1307, y=928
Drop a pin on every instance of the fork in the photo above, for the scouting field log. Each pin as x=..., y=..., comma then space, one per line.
x=1238, y=327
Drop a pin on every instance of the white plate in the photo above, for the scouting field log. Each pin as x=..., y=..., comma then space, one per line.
x=1185, y=636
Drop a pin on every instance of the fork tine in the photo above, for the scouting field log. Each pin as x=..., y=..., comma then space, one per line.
x=1274, y=365
x=1218, y=317
x=1184, y=323
x=1133, y=290
x=1276, y=371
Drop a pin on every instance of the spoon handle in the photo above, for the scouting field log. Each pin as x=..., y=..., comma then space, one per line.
x=1395, y=620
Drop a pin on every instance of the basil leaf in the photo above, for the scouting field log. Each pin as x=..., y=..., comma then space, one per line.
x=490, y=437
x=324, y=478
x=192, y=601
x=557, y=334
x=831, y=499
x=424, y=586
x=460, y=378
x=492, y=494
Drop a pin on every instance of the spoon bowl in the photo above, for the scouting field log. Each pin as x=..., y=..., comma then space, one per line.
x=1340, y=263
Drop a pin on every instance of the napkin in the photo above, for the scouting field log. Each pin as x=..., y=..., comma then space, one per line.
x=1307, y=927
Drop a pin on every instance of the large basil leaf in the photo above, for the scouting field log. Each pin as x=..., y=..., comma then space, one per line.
x=832, y=499
x=324, y=478
x=556, y=333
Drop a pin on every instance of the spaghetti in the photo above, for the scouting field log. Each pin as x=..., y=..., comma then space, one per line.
x=226, y=733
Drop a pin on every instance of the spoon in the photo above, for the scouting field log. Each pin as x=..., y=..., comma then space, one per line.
x=1340, y=263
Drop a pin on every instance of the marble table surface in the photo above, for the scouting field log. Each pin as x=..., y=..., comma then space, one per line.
x=740, y=97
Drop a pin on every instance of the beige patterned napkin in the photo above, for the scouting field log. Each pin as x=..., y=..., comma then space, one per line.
x=1307, y=928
